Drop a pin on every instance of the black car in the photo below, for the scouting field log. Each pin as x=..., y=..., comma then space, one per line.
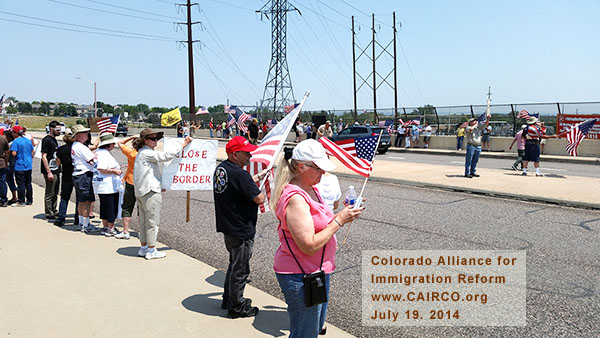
x=364, y=131
x=121, y=130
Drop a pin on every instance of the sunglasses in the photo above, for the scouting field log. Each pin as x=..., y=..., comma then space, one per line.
x=154, y=138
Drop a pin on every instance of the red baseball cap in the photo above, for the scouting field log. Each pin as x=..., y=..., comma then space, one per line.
x=17, y=129
x=239, y=143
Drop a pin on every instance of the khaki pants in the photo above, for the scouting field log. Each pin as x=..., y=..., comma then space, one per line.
x=149, y=208
x=51, y=195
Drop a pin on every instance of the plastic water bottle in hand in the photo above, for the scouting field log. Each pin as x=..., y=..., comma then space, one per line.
x=350, y=196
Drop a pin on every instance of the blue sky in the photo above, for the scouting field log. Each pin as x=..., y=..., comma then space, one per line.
x=449, y=52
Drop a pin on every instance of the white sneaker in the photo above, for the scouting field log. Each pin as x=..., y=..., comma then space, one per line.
x=110, y=232
x=142, y=252
x=155, y=254
x=123, y=235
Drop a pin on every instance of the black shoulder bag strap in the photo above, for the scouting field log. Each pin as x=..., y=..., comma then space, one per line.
x=290, y=248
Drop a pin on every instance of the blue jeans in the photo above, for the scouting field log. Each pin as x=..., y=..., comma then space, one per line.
x=472, y=159
x=240, y=252
x=304, y=321
x=211, y=133
x=459, y=142
x=24, y=187
x=66, y=188
x=3, y=190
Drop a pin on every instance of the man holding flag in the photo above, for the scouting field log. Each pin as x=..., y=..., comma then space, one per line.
x=237, y=199
x=473, y=134
x=533, y=134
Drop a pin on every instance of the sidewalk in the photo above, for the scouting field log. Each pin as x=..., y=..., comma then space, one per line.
x=57, y=282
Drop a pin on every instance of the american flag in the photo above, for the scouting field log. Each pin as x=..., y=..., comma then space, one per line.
x=108, y=124
x=241, y=118
x=348, y=157
x=227, y=110
x=415, y=122
x=289, y=108
x=265, y=155
x=480, y=118
x=576, y=134
x=387, y=123
x=524, y=114
x=271, y=123
x=363, y=147
x=202, y=110
x=230, y=121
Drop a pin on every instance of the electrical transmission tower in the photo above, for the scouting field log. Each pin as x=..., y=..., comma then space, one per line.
x=278, y=88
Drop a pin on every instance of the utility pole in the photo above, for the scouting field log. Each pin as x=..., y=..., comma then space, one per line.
x=354, y=70
x=278, y=88
x=395, y=73
x=374, y=75
x=190, y=46
x=190, y=43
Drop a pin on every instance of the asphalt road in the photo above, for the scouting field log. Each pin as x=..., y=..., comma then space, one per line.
x=571, y=169
x=563, y=273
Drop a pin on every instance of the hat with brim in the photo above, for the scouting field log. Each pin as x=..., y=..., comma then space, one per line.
x=17, y=129
x=312, y=151
x=106, y=139
x=147, y=132
x=239, y=143
x=68, y=136
x=532, y=120
x=78, y=128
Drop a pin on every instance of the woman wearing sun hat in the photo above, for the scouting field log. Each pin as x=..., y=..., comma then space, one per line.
x=147, y=187
x=108, y=183
x=306, y=229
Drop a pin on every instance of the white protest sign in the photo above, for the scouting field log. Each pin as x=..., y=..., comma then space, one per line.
x=193, y=168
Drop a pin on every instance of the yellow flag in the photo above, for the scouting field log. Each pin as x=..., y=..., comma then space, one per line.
x=170, y=118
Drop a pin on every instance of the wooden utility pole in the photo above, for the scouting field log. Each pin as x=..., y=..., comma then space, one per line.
x=374, y=75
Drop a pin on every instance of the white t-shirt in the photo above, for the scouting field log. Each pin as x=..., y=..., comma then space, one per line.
x=427, y=131
x=106, y=183
x=329, y=188
x=81, y=155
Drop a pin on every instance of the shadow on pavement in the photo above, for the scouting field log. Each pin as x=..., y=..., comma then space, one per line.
x=271, y=320
x=132, y=251
x=217, y=278
x=455, y=176
x=533, y=174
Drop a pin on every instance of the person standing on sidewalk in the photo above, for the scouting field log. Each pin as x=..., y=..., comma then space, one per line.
x=520, y=148
x=50, y=170
x=460, y=137
x=427, y=131
x=4, y=158
x=108, y=183
x=473, y=132
x=399, y=135
x=129, y=194
x=64, y=160
x=533, y=134
x=22, y=150
x=148, y=186
x=83, y=171
x=237, y=199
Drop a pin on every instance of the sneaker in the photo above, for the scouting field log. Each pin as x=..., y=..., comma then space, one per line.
x=468, y=176
x=29, y=203
x=110, y=232
x=91, y=229
x=50, y=217
x=142, y=252
x=123, y=235
x=225, y=305
x=18, y=204
x=248, y=311
x=78, y=227
x=539, y=175
x=3, y=204
x=11, y=202
x=155, y=254
x=514, y=167
x=475, y=175
x=524, y=174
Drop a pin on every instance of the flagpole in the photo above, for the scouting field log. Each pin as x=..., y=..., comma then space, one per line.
x=359, y=201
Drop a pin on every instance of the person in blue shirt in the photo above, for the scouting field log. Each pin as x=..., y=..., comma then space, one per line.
x=22, y=150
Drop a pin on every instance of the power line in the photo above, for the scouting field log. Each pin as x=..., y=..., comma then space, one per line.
x=108, y=12
x=133, y=10
x=411, y=72
x=233, y=5
x=90, y=27
x=363, y=13
x=82, y=31
x=321, y=15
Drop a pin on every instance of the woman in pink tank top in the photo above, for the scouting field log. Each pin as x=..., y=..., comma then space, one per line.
x=306, y=231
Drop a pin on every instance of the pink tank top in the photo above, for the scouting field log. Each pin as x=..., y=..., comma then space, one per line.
x=284, y=262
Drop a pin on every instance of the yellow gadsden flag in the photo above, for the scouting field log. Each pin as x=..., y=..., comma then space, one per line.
x=170, y=118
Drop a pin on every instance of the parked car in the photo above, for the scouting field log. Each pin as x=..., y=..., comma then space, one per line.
x=364, y=131
x=121, y=130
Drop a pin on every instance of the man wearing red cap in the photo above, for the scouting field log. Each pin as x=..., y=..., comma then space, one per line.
x=22, y=151
x=236, y=206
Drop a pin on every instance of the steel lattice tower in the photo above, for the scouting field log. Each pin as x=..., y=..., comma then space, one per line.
x=278, y=88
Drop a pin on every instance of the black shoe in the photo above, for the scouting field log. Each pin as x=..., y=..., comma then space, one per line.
x=468, y=176
x=59, y=223
x=475, y=175
x=225, y=305
x=51, y=217
x=11, y=202
x=323, y=331
x=3, y=204
x=248, y=311
x=29, y=203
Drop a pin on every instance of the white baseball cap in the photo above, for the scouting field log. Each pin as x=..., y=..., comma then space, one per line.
x=312, y=151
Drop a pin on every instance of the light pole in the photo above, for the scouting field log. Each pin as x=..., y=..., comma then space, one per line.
x=95, y=104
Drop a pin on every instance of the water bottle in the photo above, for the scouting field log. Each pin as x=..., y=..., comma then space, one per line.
x=350, y=196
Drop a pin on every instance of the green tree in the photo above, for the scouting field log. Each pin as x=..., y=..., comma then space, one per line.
x=24, y=107
x=11, y=110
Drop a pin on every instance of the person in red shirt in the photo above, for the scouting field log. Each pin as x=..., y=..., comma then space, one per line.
x=533, y=134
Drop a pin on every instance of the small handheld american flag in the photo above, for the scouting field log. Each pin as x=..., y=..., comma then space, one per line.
x=108, y=124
